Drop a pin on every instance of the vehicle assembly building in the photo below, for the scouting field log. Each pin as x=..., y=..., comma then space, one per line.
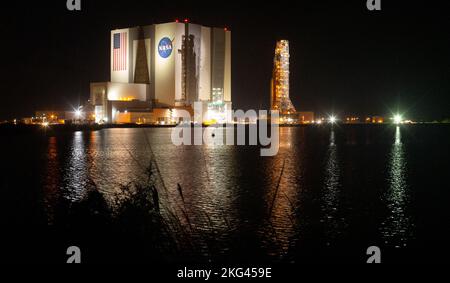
x=158, y=69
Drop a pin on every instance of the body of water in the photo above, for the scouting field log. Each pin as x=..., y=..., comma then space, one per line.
x=329, y=194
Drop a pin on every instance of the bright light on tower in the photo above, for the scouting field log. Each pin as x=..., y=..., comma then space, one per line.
x=332, y=119
x=398, y=119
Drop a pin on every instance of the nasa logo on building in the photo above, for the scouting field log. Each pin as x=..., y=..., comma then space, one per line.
x=165, y=47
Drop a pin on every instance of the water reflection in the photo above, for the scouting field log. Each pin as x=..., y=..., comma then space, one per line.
x=237, y=202
x=286, y=137
x=51, y=180
x=285, y=177
x=76, y=175
x=208, y=177
x=119, y=157
x=396, y=228
x=331, y=189
x=215, y=202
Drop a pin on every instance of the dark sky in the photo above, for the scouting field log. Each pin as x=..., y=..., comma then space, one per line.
x=344, y=59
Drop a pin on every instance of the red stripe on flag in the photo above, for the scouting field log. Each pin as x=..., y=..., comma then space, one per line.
x=120, y=54
x=124, y=67
x=120, y=51
x=122, y=46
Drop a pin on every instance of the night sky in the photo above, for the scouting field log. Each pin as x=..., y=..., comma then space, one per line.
x=344, y=58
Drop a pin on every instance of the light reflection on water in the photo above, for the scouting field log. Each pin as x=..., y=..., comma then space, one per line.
x=331, y=191
x=52, y=179
x=76, y=176
x=230, y=193
x=282, y=195
x=396, y=228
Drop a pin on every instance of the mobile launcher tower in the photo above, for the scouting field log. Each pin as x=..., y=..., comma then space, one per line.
x=279, y=99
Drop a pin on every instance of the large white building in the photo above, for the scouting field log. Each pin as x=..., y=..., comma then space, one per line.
x=170, y=65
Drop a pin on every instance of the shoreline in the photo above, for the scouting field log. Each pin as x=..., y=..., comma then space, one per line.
x=75, y=128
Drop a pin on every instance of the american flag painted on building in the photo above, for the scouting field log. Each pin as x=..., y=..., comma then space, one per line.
x=120, y=51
